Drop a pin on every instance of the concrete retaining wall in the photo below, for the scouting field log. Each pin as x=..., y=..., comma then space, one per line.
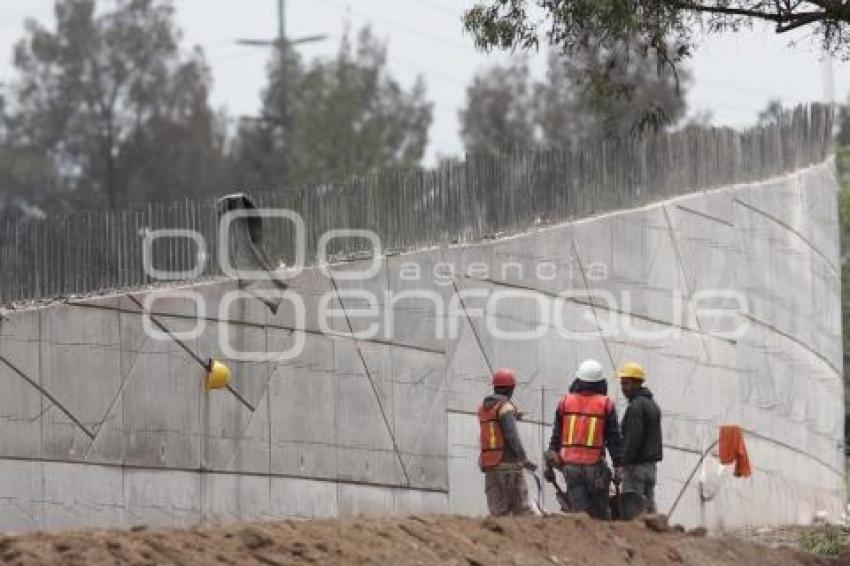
x=103, y=425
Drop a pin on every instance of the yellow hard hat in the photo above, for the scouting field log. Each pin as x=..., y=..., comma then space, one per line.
x=633, y=370
x=218, y=377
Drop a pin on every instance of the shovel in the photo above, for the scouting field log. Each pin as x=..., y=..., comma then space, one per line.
x=561, y=496
x=538, y=502
x=626, y=506
x=617, y=502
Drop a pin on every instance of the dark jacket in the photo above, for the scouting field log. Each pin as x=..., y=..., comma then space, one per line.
x=641, y=430
x=513, y=445
x=613, y=441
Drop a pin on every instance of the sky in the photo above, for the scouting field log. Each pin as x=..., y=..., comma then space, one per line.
x=735, y=74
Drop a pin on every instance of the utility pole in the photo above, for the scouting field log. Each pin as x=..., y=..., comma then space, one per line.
x=281, y=20
x=281, y=43
x=281, y=33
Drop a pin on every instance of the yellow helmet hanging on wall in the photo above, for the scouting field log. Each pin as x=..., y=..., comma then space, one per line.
x=633, y=370
x=218, y=376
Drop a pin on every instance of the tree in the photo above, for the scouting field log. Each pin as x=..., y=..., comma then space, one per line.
x=660, y=28
x=333, y=119
x=25, y=175
x=633, y=95
x=3, y=116
x=114, y=103
x=500, y=110
x=842, y=138
x=773, y=113
x=506, y=109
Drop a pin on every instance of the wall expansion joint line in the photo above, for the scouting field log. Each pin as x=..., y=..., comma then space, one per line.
x=371, y=381
x=248, y=324
x=689, y=286
x=50, y=397
x=791, y=229
x=471, y=325
x=592, y=304
x=796, y=340
x=206, y=471
x=706, y=216
x=603, y=307
x=188, y=350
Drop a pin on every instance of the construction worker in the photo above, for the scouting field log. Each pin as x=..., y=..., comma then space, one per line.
x=502, y=456
x=585, y=426
x=641, y=434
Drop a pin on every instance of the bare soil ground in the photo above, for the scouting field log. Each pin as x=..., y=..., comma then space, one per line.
x=558, y=540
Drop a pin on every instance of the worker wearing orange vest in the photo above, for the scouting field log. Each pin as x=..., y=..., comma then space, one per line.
x=585, y=426
x=502, y=457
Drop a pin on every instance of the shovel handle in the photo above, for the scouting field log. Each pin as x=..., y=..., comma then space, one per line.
x=539, y=482
x=619, y=496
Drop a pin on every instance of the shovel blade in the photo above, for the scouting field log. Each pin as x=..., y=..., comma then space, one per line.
x=632, y=505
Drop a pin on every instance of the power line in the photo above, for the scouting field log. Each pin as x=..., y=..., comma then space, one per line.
x=438, y=7
x=441, y=39
x=417, y=65
x=26, y=12
x=448, y=8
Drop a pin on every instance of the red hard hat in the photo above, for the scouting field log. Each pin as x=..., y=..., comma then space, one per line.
x=504, y=378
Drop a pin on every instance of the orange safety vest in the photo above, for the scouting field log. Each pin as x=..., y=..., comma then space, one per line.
x=583, y=428
x=492, y=437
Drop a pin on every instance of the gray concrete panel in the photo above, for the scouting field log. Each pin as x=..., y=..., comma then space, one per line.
x=303, y=412
x=161, y=404
x=21, y=405
x=303, y=499
x=162, y=497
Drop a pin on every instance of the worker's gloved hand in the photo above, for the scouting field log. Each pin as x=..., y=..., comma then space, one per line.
x=549, y=474
x=530, y=466
x=551, y=459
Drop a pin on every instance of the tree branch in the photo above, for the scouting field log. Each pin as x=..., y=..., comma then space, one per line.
x=786, y=20
x=799, y=20
x=826, y=4
x=722, y=10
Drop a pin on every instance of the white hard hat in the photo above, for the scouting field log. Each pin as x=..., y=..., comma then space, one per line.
x=590, y=371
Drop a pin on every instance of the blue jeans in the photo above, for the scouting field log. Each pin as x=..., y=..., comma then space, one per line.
x=587, y=489
x=641, y=478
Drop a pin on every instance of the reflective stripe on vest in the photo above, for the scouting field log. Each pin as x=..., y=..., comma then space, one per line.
x=583, y=428
x=492, y=437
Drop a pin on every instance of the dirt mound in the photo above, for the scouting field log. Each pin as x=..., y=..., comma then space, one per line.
x=529, y=541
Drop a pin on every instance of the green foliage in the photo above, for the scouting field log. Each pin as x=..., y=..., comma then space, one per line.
x=663, y=29
x=333, y=119
x=773, y=113
x=119, y=110
x=109, y=109
x=505, y=108
x=842, y=138
x=827, y=541
x=842, y=161
x=25, y=172
x=501, y=110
